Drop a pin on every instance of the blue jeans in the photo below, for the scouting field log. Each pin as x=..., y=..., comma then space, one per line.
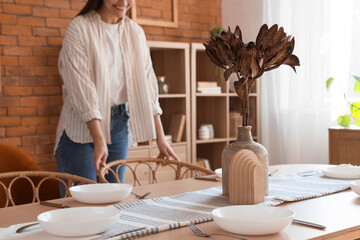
x=76, y=158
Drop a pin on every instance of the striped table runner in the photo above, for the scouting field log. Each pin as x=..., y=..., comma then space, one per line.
x=166, y=213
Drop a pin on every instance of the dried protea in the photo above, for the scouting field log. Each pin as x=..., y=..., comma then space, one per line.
x=249, y=61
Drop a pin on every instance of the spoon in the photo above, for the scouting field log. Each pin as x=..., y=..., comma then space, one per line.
x=141, y=196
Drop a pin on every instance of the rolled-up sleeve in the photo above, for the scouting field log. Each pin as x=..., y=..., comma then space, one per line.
x=75, y=70
x=154, y=89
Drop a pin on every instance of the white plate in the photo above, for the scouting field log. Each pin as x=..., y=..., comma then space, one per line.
x=252, y=219
x=218, y=172
x=343, y=172
x=355, y=186
x=100, y=193
x=78, y=221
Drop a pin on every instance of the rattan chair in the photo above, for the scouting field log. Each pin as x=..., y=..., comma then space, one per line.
x=147, y=170
x=35, y=179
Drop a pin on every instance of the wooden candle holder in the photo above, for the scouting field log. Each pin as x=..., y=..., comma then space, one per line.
x=246, y=179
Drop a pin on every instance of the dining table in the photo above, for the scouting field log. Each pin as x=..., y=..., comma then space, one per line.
x=339, y=212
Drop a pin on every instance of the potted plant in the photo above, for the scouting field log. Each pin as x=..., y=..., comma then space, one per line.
x=354, y=107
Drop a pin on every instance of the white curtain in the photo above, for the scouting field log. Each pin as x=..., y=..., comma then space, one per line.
x=296, y=108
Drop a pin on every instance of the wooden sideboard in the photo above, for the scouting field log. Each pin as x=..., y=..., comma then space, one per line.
x=344, y=145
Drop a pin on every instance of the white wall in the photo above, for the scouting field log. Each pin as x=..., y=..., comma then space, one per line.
x=248, y=14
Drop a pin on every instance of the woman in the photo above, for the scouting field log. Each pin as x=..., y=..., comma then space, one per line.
x=107, y=73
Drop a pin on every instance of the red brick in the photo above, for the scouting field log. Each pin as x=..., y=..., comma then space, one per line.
x=55, y=100
x=46, y=51
x=55, y=41
x=9, y=61
x=3, y=111
x=10, y=81
x=153, y=30
x=57, y=3
x=16, y=30
x=35, y=121
x=35, y=140
x=9, y=101
x=2, y=132
x=16, y=9
x=45, y=12
x=10, y=121
x=32, y=41
x=33, y=101
x=189, y=18
x=191, y=33
x=67, y=13
x=173, y=31
x=45, y=70
x=30, y=150
x=46, y=129
x=57, y=22
x=18, y=51
x=62, y=31
x=50, y=90
x=14, y=141
x=33, y=81
x=39, y=31
x=17, y=91
x=54, y=119
x=30, y=61
x=151, y=13
x=31, y=21
x=54, y=80
x=18, y=71
x=200, y=26
x=20, y=131
x=22, y=111
x=44, y=149
x=30, y=2
x=8, y=18
x=77, y=5
x=52, y=61
x=48, y=110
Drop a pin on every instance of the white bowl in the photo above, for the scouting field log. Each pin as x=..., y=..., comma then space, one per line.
x=101, y=192
x=343, y=172
x=252, y=219
x=78, y=221
x=355, y=186
x=218, y=172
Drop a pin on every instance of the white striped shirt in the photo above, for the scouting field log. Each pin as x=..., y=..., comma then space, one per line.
x=84, y=71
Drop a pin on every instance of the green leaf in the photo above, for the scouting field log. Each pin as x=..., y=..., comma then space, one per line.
x=357, y=123
x=355, y=110
x=216, y=31
x=357, y=84
x=329, y=82
x=344, y=120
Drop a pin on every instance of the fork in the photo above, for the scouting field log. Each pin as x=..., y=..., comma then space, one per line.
x=141, y=196
x=200, y=233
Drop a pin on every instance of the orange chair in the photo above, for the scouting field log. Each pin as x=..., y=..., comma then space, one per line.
x=13, y=159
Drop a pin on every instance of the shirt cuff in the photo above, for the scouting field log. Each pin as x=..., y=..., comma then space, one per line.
x=157, y=109
x=94, y=114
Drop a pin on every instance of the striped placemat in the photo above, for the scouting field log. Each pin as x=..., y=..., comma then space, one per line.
x=166, y=213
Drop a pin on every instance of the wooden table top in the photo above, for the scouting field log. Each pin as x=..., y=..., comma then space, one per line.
x=339, y=212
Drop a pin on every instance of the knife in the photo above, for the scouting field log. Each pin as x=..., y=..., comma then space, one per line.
x=56, y=205
x=116, y=234
x=309, y=224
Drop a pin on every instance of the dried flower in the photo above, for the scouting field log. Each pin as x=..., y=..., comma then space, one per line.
x=249, y=61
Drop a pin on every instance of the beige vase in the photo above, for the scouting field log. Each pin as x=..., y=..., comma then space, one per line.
x=244, y=141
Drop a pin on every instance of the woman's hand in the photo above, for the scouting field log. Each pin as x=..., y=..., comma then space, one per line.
x=165, y=149
x=100, y=148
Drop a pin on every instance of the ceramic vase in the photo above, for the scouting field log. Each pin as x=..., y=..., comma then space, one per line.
x=244, y=141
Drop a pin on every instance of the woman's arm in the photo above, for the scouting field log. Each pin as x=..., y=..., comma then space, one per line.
x=165, y=149
x=100, y=147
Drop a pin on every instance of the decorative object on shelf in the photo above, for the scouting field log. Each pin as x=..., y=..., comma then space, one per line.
x=244, y=141
x=271, y=49
x=344, y=120
x=163, y=86
x=177, y=124
x=246, y=179
x=204, y=132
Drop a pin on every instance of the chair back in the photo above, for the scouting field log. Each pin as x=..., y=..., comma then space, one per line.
x=11, y=181
x=142, y=171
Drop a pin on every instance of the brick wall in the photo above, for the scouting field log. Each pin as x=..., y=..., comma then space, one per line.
x=30, y=40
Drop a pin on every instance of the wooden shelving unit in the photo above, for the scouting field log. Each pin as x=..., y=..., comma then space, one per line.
x=172, y=60
x=215, y=109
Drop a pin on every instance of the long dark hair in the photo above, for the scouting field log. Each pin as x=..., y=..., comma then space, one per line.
x=89, y=6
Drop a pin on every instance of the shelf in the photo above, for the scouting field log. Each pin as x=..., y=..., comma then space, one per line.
x=213, y=140
x=211, y=94
x=179, y=95
x=250, y=95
